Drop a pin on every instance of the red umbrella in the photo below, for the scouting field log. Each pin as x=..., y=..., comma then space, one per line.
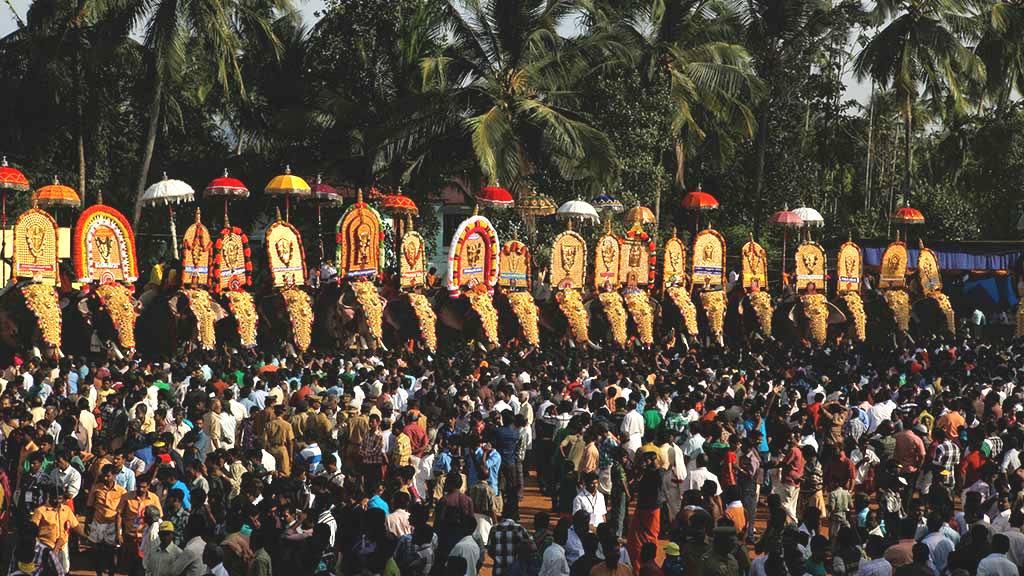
x=907, y=215
x=11, y=178
x=699, y=200
x=324, y=195
x=495, y=197
x=786, y=218
x=227, y=187
x=399, y=204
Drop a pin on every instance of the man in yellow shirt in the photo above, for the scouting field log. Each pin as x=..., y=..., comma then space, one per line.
x=132, y=522
x=280, y=441
x=104, y=500
x=56, y=521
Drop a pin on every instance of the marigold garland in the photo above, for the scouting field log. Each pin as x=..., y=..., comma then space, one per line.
x=681, y=298
x=947, y=309
x=202, y=308
x=899, y=303
x=860, y=321
x=372, y=305
x=1020, y=318
x=41, y=300
x=761, y=302
x=525, y=310
x=571, y=304
x=117, y=299
x=615, y=311
x=427, y=319
x=714, y=308
x=483, y=305
x=815, y=308
x=300, y=312
x=244, y=309
x=639, y=307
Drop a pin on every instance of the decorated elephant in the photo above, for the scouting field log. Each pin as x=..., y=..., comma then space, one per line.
x=933, y=312
x=473, y=265
x=750, y=315
x=286, y=309
x=100, y=319
x=678, y=310
x=30, y=319
x=185, y=320
x=349, y=316
x=410, y=321
x=467, y=318
x=610, y=316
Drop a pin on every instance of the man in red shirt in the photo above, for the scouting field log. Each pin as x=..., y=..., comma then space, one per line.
x=729, y=462
x=792, y=468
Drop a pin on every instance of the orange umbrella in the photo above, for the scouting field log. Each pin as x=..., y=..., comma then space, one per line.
x=57, y=194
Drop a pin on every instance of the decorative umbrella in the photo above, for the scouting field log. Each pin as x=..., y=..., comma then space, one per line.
x=907, y=215
x=640, y=214
x=787, y=219
x=11, y=179
x=399, y=204
x=495, y=197
x=607, y=203
x=533, y=205
x=168, y=192
x=811, y=218
x=287, y=185
x=57, y=194
x=323, y=194
x=226, y=187
x=577, y=209
x=698, y=200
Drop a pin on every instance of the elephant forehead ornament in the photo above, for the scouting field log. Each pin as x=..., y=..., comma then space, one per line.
x=810, y=267
x=568, y=260
x=709, y=260
x=196, y=255
x=286, y=257
x=474, y=255
x=35, y=247
x=360, y=240
x=104, y=247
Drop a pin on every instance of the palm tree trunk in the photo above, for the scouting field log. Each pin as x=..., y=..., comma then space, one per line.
x=871, y=128
x=908, y=148
x=762, y=145
x=147, y=151
x=79, y=114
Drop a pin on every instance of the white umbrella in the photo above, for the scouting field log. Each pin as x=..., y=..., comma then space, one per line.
x=810, y=216
x=578, y=209
x=168, y=192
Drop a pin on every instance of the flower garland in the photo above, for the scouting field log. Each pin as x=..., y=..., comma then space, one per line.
x=372, y=305
x=525, y=310
x=427, y=319
x=761, y=302
x=899, y=303
x=616, y=313
x=641, y=236
x=218, y=260
x=571, y=304
x=481, y=302
x=41, y=300
x=714, y=309
x=94, y=217
x=947, y=309
x=1020, y=318
x=687, y=308
x=117, y=300
x=860, y=321
x=300, y=312
x=643, y=316
x=244, y=309
x=816, y=310
x=202, y=308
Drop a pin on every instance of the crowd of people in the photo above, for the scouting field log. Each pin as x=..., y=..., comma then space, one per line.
x=657, y=462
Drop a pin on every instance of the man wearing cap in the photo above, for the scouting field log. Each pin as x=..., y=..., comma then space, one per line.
x=320, y=423
x=160, y=561
x=280, y=441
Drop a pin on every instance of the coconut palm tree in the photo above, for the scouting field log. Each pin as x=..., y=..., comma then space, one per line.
x=173, y=28
x=1001, y=48
x=507, y=79
x=693, y=45
x=919, y=50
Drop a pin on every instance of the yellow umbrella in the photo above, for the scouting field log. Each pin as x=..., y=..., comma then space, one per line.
x=288, y=185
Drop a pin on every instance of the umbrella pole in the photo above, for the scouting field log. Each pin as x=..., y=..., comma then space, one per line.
x=320, y=232
x=785, y=234
x=3, y=238
x=174, y=232
x=287, y=207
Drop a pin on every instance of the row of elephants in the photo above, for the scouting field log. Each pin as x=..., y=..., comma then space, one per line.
x=628, y=292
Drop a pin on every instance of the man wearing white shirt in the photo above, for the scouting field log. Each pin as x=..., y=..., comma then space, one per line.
x=553, y=562
x=633, y=427
x=699, y=475
x=996, y=563
x=881, y=410
x=939, y=545
x=590, y=500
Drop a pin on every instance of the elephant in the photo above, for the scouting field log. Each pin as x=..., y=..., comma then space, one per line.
x=882, y=326
x=508, y=323
x=88, y=327
x=341, y=320
x=742, y=318
x=402, y=325
x=800, y=320
x=456, y=320
x=600, y=325
x=276, y=325
x=20, y=328
x=168, y=324
x=930, y=318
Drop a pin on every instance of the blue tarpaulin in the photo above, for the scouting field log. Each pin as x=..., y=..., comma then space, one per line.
x=953, y=256
x=991, y=292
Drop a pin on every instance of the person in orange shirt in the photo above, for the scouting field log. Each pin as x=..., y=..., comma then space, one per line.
x=56, y=521
x=103, y=501
x=132, y=522
x=951, y=422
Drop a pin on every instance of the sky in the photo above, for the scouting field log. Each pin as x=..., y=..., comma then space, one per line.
x=854, y=89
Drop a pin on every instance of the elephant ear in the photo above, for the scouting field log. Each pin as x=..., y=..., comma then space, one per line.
x=835, y=315
x=219, y=313
x=742, y=306
x=792, y=315
x=83, y=308
x=173, y=302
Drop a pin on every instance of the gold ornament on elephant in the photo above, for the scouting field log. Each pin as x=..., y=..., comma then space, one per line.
x=899, y=302
x=118, y=302
x=761, y=302
x=300, y=312
x=244, y=310
x=525, y=310
x=639, y=307
x=687, y=308
x=482, y=304
x=41, y=300
x=571, y=304
x=714, y=309
x=815, y=308
x=856, y=307
x=1020, y=318
x=373, y=306
x=947, y=309
x=615, y=311
x=426, y=317
x=202, y=308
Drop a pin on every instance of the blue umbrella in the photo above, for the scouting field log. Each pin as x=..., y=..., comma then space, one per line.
x=607, y=202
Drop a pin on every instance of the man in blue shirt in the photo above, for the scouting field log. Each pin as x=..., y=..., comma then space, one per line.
x=506, y=443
